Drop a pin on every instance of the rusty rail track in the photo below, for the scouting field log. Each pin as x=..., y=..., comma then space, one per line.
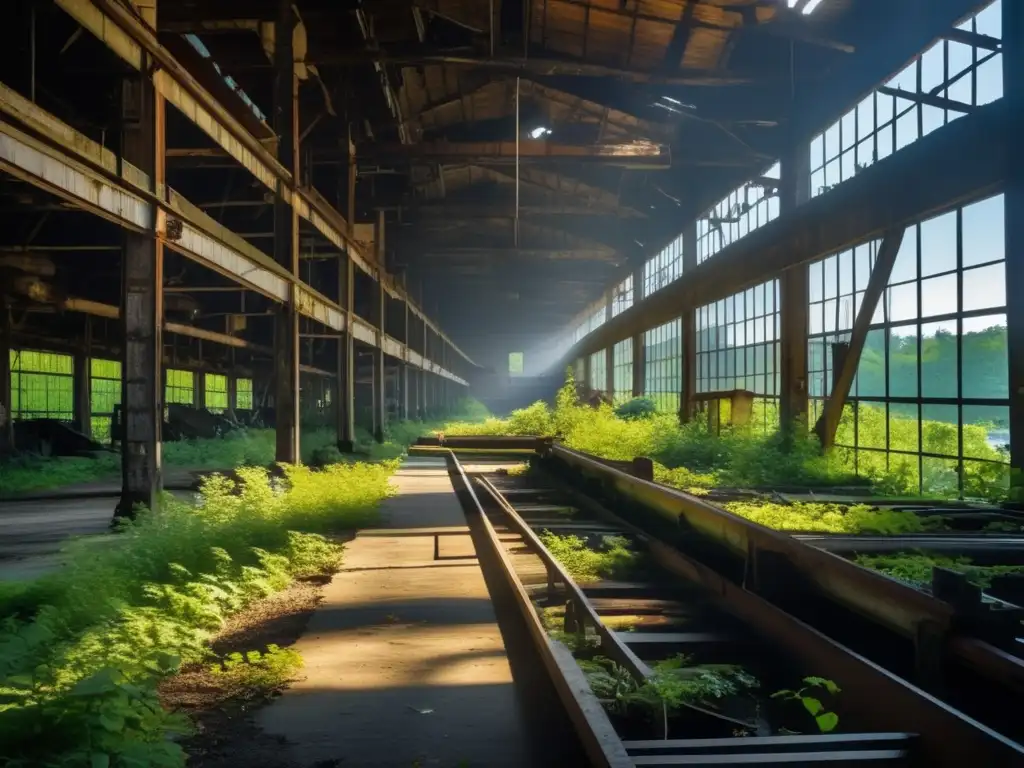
x=899, y=723
x=980, y=636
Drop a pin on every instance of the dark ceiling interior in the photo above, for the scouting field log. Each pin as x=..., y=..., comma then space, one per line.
x=633, y=117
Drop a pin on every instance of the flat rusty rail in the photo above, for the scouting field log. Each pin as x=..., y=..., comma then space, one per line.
x=766, y=553
x=940, y=735
x=598, y=736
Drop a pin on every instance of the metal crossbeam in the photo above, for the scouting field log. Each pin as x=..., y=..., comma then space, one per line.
x=86, y=180
x=128, y=37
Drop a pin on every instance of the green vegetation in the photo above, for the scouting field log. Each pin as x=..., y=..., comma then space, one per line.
x=834, y=518
x=238, y=448
x=689, y=457
x=810, y=699
x=256, y=674
x=23, y=474
x=612, y=560
x=674, y=684
x=915, y=568
x=83, y=649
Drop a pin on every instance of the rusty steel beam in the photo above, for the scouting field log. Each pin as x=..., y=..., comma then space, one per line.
x=973, y=151
x=131, y=39
x=643, y=155
x=71, y=166
x=536, y=67
x=494, y=210
x=522, y=254
x=828, y=422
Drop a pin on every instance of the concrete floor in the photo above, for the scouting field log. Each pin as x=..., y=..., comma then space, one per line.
x=33, y=532
x=406, y=664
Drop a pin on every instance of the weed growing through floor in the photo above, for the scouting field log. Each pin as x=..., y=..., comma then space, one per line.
x=256, y=674
x=834, y=518
x=810, y=697
x=916, y=568
x=83, y=649
x=675, y=683
x=612, y=559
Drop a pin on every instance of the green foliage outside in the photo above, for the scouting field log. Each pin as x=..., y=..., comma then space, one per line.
x=241, y=447
x=915, y=568
x=689, y=457
x=83, y=649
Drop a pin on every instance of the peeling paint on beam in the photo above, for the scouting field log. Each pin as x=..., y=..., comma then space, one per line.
x=32, y=161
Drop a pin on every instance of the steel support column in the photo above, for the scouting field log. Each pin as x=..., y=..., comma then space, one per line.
x=345, y=407
x=609, y=351
x=403, y=367
x=846, y=369
x=286, y=240
x=794, y=190
x=142, y=267
x=6, y=404
x=688, y=330
x=232, y=381
x=81, y=394
x=639, y=359
x=379, y=314
x=1013, y=88
x=199, y=389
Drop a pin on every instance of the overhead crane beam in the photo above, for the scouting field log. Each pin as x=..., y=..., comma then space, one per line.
x=80, y=171
x=129, y=37
x=640, y=155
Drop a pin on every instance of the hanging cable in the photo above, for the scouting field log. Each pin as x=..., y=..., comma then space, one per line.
x=516, y=233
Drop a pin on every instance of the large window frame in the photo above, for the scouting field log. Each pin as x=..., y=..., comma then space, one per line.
x=885, y=121
x=932, y=393
x=622, y=370
x=663, y=362
x=665, y=267
x=42, y=385
x=748, y=207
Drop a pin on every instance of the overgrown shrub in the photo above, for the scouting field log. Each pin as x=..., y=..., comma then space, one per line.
x=637, y=408
x=82, y=649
